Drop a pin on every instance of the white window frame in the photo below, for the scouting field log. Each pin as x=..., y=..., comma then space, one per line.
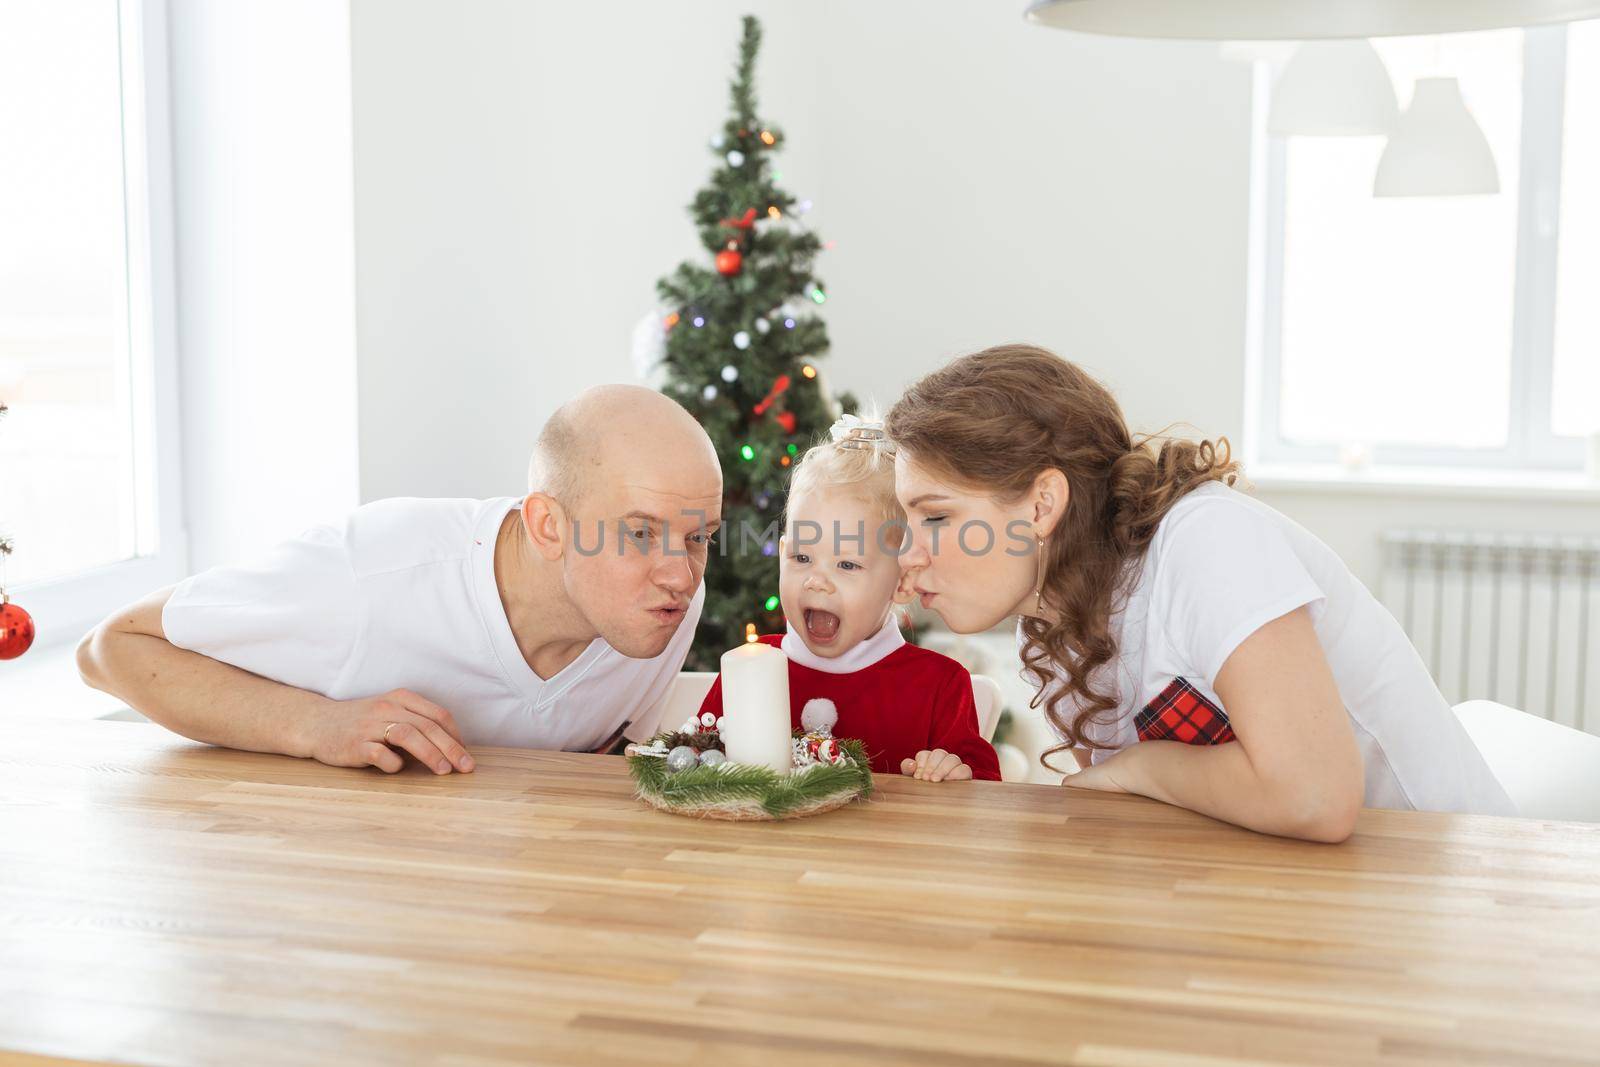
x=65, y=607
x=1531, y=443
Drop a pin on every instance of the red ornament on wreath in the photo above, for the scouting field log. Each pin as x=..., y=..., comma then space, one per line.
x=16, y=629
x=729, y=261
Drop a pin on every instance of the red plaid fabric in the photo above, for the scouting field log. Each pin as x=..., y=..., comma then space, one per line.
x=1180, y=713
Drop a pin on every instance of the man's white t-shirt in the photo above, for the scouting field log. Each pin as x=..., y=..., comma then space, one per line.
x=402, y=595
x=1221, y=565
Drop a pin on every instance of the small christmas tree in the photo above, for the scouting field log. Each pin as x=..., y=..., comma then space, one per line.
x=742, y=344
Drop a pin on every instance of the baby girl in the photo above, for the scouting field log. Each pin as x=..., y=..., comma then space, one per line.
x=839, y=581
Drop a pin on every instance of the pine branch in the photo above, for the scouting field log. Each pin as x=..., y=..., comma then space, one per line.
x=744, y=94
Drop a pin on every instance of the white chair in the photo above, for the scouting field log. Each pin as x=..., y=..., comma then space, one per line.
x=689, y=690
x=1548, y=770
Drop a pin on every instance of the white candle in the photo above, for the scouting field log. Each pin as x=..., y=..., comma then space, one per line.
x=755, y=707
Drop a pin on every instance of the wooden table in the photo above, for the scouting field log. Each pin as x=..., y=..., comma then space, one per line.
x=163, y=902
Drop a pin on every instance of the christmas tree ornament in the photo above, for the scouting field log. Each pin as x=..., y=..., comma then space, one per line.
x=763, y=326
x=819, y=716
x=729, y=261
x=779, y=386
x=735, y=158
x=712, y=757
x=16, y=629
x=786, y=420
x=16, y=625
x=708, y=393
x=649, y=344
x=708, y=720
x=741, y=340
x=682, y=758
x=730, y=373
x=718, y=143
x=743, y=222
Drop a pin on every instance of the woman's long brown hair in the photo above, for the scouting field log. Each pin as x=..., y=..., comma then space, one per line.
x=994, y=421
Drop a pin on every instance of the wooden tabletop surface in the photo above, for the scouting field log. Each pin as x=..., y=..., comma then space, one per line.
x=163, y=902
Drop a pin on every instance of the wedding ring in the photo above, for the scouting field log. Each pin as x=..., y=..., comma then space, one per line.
x=386, y=730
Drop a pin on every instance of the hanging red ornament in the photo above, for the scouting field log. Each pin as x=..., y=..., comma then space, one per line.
x=780, y=385
x=786, y=420
x=742, y=223
x=729, y=262
x=16, y=629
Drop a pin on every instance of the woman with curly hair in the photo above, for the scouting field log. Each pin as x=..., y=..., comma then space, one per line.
x=1187, y=642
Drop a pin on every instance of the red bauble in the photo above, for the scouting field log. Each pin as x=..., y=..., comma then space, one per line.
x=729, y=262
x=786, y=420
x=16, y=630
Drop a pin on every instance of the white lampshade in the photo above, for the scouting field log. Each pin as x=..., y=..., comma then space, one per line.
x=1334, y=89
x=1299, y=20
x=1437, y=148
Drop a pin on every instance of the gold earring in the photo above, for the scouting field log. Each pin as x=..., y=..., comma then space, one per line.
x=1038, y=585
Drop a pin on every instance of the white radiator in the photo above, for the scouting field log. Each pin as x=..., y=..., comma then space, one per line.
x=1509, y=618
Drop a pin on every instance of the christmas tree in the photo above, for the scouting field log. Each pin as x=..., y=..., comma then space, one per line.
x=742, y=344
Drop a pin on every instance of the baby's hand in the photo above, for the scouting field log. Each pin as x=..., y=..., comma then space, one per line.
x=936, y=766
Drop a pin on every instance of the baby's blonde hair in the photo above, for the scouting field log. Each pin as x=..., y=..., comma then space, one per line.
x=863, y=466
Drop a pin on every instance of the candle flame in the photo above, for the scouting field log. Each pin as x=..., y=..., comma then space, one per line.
x=750, y=633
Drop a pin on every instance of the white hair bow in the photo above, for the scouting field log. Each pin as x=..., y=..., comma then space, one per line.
x=852, y=431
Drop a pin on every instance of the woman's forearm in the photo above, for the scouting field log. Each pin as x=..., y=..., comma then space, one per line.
x=1220, y=781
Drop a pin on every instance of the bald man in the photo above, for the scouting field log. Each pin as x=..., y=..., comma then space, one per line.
x=423, y=627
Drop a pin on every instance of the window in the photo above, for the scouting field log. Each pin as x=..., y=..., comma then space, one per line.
x=87, y=465
x=1438, y=331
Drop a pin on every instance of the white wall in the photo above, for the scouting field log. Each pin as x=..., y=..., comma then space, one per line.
x=266, y=335
x=522, y=171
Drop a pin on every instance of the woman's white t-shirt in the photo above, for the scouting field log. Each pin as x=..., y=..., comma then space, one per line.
x=1221, y=565
x=402, y=595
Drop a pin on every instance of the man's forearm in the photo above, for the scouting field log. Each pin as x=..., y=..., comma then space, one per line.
x=197, y=696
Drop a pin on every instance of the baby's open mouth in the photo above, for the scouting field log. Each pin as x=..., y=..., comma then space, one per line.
x=821, y=626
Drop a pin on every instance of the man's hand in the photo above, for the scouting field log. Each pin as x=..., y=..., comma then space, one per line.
x=351, y=734
x=936, y=766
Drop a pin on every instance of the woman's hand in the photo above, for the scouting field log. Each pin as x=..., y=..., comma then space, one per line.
x=1101, y=776
x=936, y=765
